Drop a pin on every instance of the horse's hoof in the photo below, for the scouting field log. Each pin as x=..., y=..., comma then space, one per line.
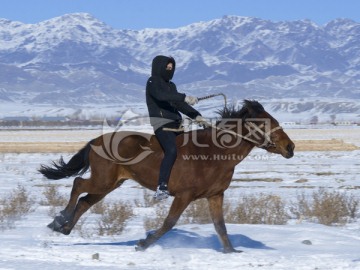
x=55, y=225
x=138, y=248
x=141, y=245
x=231, y=250
x=51, y=225
x=58, y=225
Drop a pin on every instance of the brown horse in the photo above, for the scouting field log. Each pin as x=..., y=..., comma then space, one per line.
x=204, y=167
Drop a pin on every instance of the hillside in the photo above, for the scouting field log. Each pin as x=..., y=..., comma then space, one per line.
x=76, y=59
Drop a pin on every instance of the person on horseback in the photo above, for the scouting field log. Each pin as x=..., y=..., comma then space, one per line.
x=164, y=104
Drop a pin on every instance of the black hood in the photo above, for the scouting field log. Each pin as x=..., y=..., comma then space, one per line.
x=158, y=68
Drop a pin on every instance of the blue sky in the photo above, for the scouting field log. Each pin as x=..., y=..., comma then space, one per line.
x=139, y=14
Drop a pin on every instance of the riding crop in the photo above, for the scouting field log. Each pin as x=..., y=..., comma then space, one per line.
x=214, y=95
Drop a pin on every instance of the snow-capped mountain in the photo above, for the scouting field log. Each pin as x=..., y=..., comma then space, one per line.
x=77, y=59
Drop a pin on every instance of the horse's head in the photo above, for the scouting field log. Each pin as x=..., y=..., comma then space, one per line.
x=260, y=128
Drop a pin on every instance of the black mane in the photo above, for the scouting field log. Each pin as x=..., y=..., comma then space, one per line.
x=250, y=109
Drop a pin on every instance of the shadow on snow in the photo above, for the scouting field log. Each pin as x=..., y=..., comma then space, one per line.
x=177, y=238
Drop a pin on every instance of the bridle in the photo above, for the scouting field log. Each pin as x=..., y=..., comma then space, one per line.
x=267, y=135
x=267, y=143
x=251, y=126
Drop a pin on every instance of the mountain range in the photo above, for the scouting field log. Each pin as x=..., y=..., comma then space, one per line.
x=77, y=59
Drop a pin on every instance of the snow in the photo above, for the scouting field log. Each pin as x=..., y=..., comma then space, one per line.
x=188, y=247
x=31, y=245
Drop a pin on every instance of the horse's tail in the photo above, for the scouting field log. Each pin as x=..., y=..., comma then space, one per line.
x=77, y=165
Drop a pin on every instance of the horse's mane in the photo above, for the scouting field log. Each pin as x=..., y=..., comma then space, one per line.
x=250, y=109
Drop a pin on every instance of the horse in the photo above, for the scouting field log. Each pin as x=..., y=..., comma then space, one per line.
x=118, y=156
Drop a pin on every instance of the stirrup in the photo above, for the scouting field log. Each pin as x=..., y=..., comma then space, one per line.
x=161, y=194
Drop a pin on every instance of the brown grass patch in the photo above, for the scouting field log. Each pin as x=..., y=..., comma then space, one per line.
x=15, y=206
x=302, y=181
x=324, y=145
x=269, y=180
x=113, y=219
x=258, y=209
x=40, y=147
x=71, y=147
x=327, y=207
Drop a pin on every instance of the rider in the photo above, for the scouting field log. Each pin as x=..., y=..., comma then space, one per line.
x=164, y=103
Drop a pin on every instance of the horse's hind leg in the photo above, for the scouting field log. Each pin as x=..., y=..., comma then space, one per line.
x=67, y=219
x=178, y=206
x=80, y=185
x=216, y=212
x=86, y=202
x=82, y=206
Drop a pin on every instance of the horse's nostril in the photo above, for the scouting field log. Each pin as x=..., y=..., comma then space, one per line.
x=290, y=150
x=290, y=147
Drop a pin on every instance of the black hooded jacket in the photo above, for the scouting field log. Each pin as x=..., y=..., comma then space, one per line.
x=163, y=100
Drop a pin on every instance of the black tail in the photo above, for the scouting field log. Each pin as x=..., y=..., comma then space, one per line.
x=77, y=165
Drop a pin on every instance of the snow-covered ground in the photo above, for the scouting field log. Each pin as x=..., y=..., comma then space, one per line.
x=31, y=245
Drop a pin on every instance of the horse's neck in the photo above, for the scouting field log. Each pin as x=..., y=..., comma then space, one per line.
x=239, y=152
x=235, y=150
x=244, y=147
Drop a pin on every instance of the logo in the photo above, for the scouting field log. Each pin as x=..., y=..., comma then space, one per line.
x=124, y=145
x=115, y=138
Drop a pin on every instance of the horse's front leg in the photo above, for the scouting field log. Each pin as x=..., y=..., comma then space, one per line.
x=217, y=215
x=177, y=208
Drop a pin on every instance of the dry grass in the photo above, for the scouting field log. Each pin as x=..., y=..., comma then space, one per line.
x=258, y=209
x=54, y=199
x=325, y=207
x=156, y=220
x=268, y=180
x=113, y=219
x=53, y=196
x=40, y=147
x=324, y=145
x=329, y=208
x=197, y=212
x=99, y=208
x=16, y=205
x=148, y=199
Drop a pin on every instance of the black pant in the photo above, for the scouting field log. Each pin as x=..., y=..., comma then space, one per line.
x=167, y=140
